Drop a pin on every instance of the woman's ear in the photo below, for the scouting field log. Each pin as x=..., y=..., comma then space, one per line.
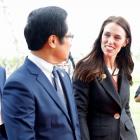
x=126, y=42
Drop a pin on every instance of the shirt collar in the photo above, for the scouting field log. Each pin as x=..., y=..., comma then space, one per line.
x=42, y=64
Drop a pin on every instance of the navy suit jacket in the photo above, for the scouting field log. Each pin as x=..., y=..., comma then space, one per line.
x=33, y=110
x=2, y=81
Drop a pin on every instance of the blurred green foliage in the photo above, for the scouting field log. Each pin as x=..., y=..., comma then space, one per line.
x=11, y=64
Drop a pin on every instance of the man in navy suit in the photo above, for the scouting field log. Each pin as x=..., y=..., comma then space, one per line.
x=2, y=81
x=33, y=109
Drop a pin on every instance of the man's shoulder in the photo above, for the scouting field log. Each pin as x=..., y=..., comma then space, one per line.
x=2, y=69
x=2, y=76
x=20, y=74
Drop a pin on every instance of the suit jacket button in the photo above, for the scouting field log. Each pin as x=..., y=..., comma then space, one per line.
x=116, y=116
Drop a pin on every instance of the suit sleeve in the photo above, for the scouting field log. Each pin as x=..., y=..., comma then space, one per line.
x=82, y=101
x=18, y=111
x=2, y=76
x=137, y=92
x=129, y=122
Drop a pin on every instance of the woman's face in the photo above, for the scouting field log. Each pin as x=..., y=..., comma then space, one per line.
x=113, y=39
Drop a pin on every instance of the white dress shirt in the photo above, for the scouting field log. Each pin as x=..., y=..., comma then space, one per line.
x=43, y=65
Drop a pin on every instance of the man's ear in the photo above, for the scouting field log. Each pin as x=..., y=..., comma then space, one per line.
x=52, y=41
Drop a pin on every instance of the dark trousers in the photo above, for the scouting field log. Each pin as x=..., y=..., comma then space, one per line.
x=2, y=133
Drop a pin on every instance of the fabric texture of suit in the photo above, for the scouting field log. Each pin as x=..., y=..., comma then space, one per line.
x=137, y=92
x=33, y=110
x=2, y=81
x=99, y=106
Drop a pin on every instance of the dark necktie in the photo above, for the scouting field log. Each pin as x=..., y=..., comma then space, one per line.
x=57, y=84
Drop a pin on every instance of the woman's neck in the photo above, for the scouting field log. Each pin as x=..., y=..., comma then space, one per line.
x=110, y=63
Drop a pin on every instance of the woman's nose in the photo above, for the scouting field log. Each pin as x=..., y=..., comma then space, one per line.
x=110, y=40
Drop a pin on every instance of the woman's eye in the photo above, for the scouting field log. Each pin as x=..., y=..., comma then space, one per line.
x=117, y=37
x=107, y=35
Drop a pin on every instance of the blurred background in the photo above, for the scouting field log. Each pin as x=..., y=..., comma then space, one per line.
x=85, y=19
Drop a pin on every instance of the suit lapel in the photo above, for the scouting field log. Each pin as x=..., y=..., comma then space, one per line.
x=124, y=89
x=69, y=95
x=45, y=83
x=109, y=87
x=51, y=92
